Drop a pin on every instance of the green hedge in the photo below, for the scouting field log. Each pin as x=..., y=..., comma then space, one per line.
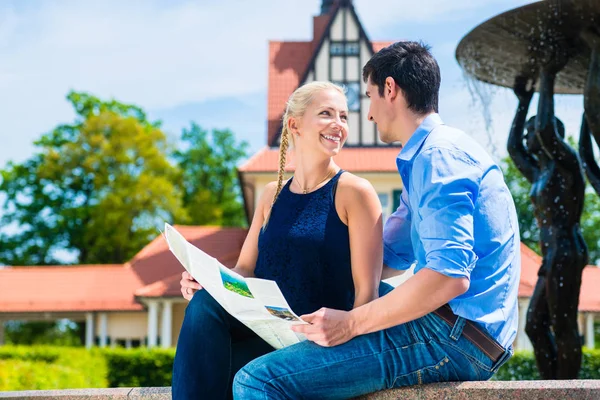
x=44, y=367
x=26, y=353
x=139, y=367
x=521, y=367
x=48, y=367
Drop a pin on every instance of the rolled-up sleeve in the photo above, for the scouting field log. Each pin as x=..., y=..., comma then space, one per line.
x=447, y=191
x=397, y=246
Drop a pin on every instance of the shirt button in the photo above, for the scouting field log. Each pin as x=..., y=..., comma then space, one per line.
x=446, y=359
x=437, y=367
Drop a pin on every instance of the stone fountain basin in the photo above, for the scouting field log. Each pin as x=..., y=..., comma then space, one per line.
x=511, y=44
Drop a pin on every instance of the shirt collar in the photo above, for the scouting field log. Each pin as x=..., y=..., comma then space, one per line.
x=418, y=137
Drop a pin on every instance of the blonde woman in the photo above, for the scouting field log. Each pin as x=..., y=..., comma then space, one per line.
x=318, y=234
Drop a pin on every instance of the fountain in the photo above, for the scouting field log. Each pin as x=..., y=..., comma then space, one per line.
x=551, y=47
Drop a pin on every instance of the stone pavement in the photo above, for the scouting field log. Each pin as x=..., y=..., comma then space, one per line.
x=489, y=390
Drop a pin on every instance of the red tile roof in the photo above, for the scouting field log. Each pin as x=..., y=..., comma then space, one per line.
x=353, y=159
x=589, y=298
x=168, y=287
x=287, y=64
x=68, y=288
x=84, y=288
x=530, y=264
x=154, y=271
x=380, y=45
x=156, y=262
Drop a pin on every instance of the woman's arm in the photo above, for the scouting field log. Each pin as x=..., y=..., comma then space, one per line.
x=554, y=146
x=249, y=253
x=590, y=124
x=523, y=160
x=591, y=92
x=363, y=215
x=586, y=152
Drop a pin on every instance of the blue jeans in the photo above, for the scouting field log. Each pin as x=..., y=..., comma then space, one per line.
x=212, y=347
x=422, y=351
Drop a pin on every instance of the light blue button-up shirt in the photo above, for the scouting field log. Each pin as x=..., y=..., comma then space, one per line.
x=457, y=217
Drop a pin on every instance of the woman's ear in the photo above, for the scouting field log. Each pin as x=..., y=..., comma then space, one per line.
x=293, y=126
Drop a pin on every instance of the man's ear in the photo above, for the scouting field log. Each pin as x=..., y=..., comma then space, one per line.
x=390, y=90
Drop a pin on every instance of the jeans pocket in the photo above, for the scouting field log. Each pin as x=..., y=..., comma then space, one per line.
x=439, y=372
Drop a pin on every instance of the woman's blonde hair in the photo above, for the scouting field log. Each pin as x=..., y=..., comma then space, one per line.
x=296, y=107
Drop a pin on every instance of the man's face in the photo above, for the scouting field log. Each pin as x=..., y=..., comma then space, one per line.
x=380, y=112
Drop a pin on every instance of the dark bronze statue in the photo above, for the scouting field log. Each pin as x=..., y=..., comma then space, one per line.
x=550, y=40
x=590, y=124
x=557, y=192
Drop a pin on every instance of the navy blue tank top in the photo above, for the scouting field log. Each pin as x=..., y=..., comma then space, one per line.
x=305, y=248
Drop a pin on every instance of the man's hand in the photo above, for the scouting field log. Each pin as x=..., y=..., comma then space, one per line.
x=327, y=327
x=189, y=286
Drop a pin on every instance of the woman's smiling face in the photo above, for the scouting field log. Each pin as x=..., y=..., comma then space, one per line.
x=324, y=124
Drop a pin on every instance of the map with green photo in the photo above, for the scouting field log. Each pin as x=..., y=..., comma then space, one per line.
x=234, y=284
x=282, y=313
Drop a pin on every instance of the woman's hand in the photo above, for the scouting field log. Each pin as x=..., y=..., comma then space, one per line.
x=524, y=88
x=189, y=286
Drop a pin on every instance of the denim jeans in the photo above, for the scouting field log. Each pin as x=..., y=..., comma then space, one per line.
x=422, y=351
x=212, y=347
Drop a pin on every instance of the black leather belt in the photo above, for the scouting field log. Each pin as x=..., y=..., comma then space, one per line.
x=473, y=333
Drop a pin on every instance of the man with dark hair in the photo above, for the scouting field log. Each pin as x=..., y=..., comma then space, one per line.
x=456, y=318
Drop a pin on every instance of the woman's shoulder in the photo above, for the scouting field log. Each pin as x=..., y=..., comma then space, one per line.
x=354, y=188
x=352, y=182
x=356, y=195
x=270, y=190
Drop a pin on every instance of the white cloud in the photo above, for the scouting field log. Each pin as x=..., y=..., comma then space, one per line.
x=161, y=54
x=384, y=12
x=145, y=53
x=152, y=53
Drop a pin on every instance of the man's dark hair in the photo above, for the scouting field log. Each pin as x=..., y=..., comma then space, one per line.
x=414, y=70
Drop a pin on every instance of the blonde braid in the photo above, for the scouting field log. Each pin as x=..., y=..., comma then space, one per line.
x=283, y=148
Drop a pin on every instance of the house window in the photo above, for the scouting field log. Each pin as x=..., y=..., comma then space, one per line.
x=353, y=95
x=396, y=194
x=336, y=49
x=352, y=90
x=352, y=49
x=384, y=199
x=344, y=49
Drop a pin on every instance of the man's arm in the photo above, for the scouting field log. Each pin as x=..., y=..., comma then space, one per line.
x=424, y=292
x=398, y=253
x=389, y=272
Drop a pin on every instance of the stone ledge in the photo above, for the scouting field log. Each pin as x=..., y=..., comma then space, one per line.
x=488, y=390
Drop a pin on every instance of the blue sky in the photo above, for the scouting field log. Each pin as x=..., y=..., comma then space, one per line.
x=206, y=61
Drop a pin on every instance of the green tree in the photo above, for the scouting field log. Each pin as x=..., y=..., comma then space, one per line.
x=99, y=187
x=208, y=162
x=530, y=233
x=519, y=188
x=62, y=333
